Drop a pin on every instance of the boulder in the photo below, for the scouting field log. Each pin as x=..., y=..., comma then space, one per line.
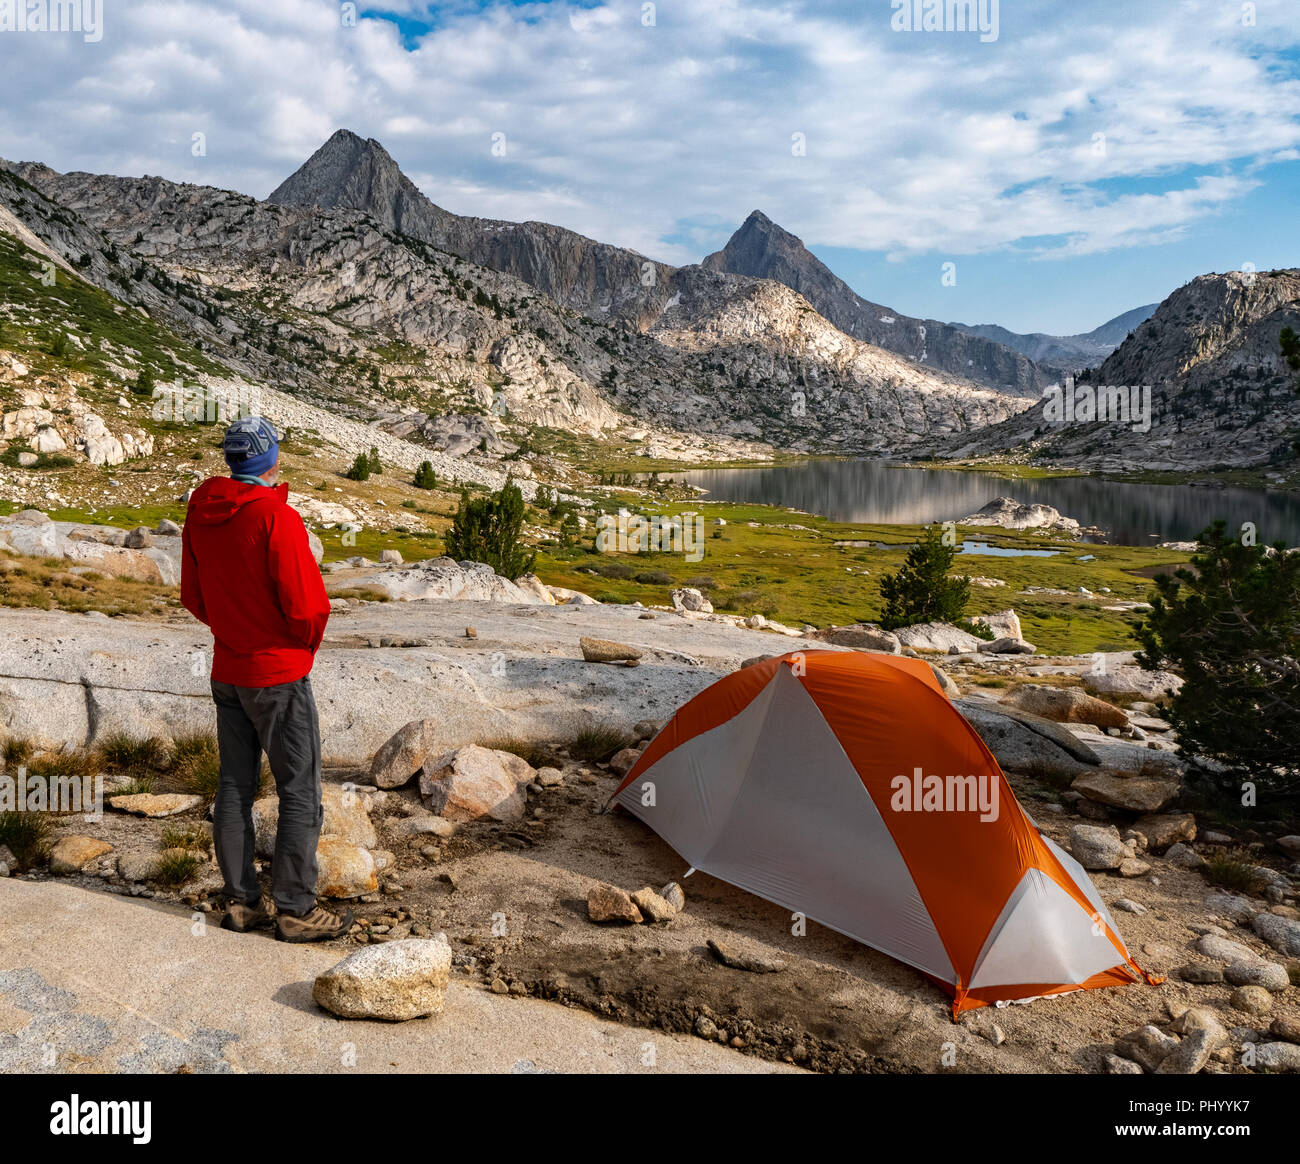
x=950, y=688
x=1133, y=681
x=472, y=782
x=119, y=562
x=1282, y=933
x=1135, y=793
x=1280, y=1057
x=1097, y=847
x=1022, y=747
x=653, y=907
x=1005, y=624
x=859, y=637
x=1164, y=829
x=1148, y=1045
x=1193, y=1053
x=71, y=854
x=346, y=819
x=937, y=636
x=1007, y=646
x=344, y=869
x=622, y=761
x=153, y=804
x=441, y=578
x=1185, y=856
x=1233, y=906
x=168, y=528
x=1066, y=705
x=394, y=981
x=607, y=651
x=1008, y=513
x=404, y=753
x=1268, y=975
x=390, y=557
x=1225, y=950
x=1251, y=1000
x=608, y=903
x=688, y=599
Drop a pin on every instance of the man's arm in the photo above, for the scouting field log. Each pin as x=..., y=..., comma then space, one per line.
x=297, y=579
x=191, y=590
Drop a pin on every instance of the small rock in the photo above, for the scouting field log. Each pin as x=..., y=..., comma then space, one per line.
x=1127, y=906
x=608, y=651
x=623, y=760
x=1268, y=975
x=1251, y=1000
x=608, y=903
x=1148, y=1045
x=1224, y=950
x=1283, y=1057
x=674, y=895
x=1202, y=973
x=396, y=981
x=654, y=907
x=151, y=804
x=729, y=955
x=1115, y=1065
x=1188, y=858
x=1286, y=1029
x=71, y=854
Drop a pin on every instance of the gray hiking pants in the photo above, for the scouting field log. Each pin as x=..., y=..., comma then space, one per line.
x=280, y=721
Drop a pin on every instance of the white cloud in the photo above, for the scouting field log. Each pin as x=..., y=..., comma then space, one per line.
x=638, y=135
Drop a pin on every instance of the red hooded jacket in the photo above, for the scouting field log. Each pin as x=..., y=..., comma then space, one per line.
x=248, y=573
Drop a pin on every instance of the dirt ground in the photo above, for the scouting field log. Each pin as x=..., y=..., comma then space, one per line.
x=512, y=900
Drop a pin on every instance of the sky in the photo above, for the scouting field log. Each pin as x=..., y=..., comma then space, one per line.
x=1054, y=166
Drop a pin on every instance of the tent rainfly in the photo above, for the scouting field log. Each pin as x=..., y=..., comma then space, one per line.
x=847, y=787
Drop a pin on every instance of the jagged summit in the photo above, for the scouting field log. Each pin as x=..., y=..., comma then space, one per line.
x=356, y=172
x=761, y=249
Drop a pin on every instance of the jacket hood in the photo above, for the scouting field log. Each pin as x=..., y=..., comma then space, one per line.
x=218, y=499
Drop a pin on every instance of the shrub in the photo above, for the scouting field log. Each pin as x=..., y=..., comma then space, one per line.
x=1232, y=871
x=425, y=478
x=144, y=383
x=17, y=750
x=183, y=837
x=175, y=868
x=487, y=529
x=597, y=742
x=372, y=461
x=1231, y=624
x=360, y=470
x=654, y=578
x=126, y=753
x=26, y=835
x=921, y=590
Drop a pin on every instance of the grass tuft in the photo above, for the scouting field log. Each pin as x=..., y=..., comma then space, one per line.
x=26, y=835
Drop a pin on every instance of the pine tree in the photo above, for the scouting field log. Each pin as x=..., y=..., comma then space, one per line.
x=144, y=384
x=360, y=470
x=1231, y=624
x=425, y=477
x=921, y=590
x=372, y=461
x=487, y=529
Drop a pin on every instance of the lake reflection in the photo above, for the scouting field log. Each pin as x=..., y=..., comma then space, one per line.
x=872, y=491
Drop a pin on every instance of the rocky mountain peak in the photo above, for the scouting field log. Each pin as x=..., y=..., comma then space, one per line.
x=358, y=173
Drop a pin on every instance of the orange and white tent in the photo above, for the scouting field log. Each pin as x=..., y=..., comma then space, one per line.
x=845, y=786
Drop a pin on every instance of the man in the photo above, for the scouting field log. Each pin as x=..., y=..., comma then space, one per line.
x=248, y=573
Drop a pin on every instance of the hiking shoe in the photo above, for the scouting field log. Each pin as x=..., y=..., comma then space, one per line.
x=242, y=917
x=318, y=925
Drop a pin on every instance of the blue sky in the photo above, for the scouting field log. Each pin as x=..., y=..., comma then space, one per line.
x=1082, y=159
